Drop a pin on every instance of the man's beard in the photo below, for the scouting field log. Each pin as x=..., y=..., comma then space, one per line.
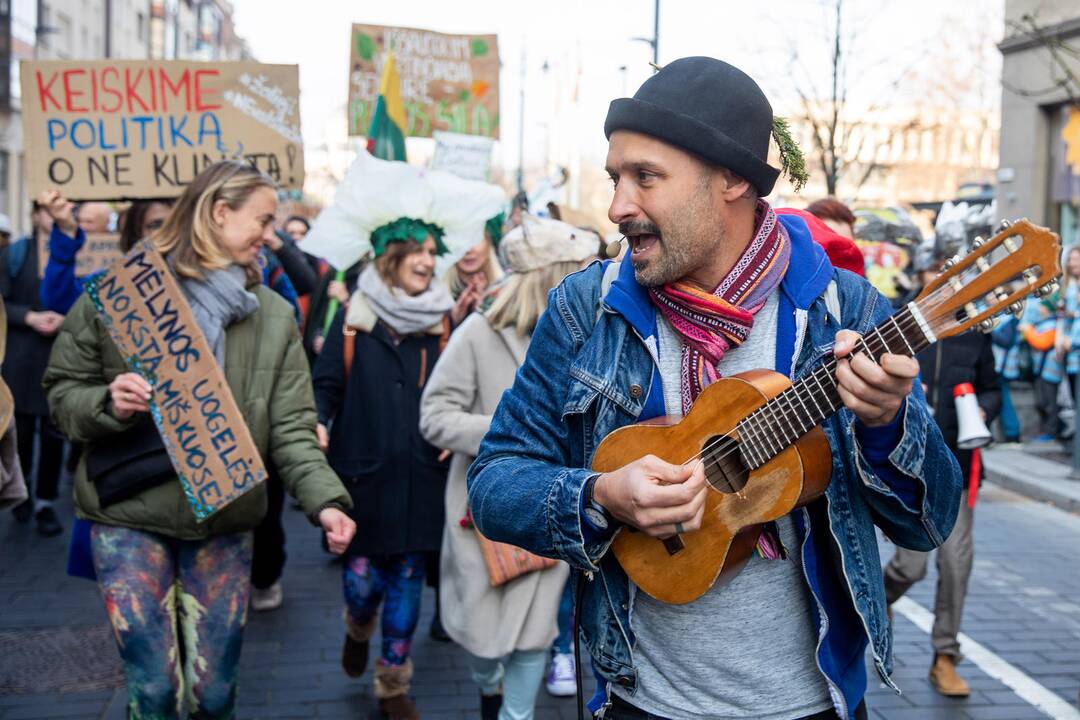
x=683, y=248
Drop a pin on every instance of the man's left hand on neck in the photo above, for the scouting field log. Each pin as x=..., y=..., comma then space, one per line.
x=874, y=392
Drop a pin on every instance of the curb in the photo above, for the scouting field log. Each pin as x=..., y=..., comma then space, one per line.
x=1033, y=477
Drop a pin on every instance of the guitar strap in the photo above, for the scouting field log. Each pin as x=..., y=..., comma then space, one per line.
x=832, y=302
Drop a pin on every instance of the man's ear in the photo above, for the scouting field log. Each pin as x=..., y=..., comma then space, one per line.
x=733, y=187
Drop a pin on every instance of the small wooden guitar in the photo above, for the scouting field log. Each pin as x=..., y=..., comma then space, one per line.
x=759, y=434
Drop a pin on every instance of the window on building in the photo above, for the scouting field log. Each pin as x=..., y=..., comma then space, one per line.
x=4, y=196
x=64, y=36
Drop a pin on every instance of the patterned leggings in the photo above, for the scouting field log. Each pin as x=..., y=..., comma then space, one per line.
x=178, y=610
x=399, y=579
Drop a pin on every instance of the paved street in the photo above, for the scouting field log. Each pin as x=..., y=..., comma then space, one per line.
x=57, y=659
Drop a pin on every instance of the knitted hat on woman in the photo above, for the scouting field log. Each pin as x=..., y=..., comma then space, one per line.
x=539, y=242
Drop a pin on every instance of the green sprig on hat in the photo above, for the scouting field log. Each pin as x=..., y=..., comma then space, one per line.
x=494, y=228
x=404, y=229
x=792, y=161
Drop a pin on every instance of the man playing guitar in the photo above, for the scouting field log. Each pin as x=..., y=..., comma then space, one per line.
x=715, y=284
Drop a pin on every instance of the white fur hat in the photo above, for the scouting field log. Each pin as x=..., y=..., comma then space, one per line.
x=539, y=242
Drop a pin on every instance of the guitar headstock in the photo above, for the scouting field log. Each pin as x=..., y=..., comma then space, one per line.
x=995, y=276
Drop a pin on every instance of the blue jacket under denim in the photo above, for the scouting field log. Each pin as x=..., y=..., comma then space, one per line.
x=575, y=387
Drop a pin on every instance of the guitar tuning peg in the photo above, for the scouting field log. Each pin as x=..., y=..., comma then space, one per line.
x=978, y=242
x=1004, y=225
x=1017, y=307
x=986, y=325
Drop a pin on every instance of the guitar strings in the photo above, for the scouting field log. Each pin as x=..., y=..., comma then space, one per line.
x=896, y=330
x=936, y=322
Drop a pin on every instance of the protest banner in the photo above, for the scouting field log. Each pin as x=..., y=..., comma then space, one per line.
x=204, y=431
x=100, y=251
x=110, y=129
x=467, y=156
x=448, y=82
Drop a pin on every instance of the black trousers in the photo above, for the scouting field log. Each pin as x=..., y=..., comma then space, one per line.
x=622, y=710
x=268, y=556
x=46, y=485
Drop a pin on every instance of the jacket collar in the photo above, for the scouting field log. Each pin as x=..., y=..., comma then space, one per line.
x=807, y=276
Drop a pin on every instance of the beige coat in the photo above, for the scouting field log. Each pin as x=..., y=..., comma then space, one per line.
x=461, y=396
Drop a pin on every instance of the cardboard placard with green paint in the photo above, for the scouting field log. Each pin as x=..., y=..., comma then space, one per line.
x=448, y=82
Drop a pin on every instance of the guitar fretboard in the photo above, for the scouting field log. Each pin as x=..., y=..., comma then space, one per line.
x=813, y=398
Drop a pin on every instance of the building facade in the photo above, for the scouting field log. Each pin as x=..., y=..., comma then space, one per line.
x=92, y=30
x=1039, y=172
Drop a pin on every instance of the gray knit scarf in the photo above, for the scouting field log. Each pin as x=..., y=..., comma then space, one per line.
x=217, y=301
x=404, y=313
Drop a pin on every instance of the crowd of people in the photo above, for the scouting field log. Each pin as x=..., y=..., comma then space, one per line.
x=429, y=411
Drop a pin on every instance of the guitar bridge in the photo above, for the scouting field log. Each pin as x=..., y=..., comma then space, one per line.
x=674, y=545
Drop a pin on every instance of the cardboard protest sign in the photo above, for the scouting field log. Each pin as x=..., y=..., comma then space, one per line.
x=448, y=82
x=203, y=429
x=100, y=251
x=467, y=156
x=108, y=129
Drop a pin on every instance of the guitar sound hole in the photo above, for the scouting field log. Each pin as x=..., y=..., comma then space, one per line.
x=724, y=468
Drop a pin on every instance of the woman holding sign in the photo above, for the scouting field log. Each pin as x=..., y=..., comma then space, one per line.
x=176, y=589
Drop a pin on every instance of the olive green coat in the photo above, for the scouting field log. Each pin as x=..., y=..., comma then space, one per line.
x=269, y=376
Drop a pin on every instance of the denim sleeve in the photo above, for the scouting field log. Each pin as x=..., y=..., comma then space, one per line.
x=877, y=444
x=59, y=286
x=915, y=496
x=522, y=488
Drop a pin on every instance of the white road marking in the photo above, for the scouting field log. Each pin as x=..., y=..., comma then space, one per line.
x=995, y=666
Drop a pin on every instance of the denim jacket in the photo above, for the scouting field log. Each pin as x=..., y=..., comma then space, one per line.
x=592, y=368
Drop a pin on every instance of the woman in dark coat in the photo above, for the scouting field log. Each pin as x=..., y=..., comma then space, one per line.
x=368, y=383
x=31, y=330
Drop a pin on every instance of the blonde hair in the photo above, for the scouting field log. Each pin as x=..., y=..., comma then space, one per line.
x=491, y=269
x=189, y=237
x=523, y=297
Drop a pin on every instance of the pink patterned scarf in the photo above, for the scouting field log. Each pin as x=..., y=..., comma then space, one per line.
x=710, y=324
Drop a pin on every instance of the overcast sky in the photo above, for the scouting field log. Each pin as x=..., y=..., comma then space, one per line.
x=917, y=40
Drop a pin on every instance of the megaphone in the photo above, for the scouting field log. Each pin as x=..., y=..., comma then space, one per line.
x=973, y=432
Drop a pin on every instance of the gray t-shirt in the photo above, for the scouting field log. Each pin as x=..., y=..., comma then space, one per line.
x=746, y=649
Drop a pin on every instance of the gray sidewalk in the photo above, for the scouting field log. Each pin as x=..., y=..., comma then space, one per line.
x=1040, y=471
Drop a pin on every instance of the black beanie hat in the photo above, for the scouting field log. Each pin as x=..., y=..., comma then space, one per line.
x=709, y=108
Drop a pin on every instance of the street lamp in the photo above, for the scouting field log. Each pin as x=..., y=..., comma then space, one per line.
x=654, y=41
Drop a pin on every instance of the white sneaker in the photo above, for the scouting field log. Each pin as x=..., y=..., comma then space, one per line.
x=562, y=676
x=268, y=599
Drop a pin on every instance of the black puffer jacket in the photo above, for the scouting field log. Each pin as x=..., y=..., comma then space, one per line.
x=967, y=358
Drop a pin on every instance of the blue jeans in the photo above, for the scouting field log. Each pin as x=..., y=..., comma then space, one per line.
x=1010, y=422
x=399, y=581
x=518, y=674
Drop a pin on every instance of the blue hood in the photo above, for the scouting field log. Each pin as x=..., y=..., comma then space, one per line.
x=808, y=274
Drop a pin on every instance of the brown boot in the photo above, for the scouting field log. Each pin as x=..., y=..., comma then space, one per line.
x=944, y=678
x=354, y=655
x=392, y=684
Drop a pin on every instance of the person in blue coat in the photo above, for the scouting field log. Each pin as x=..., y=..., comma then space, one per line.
x=714, y=284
